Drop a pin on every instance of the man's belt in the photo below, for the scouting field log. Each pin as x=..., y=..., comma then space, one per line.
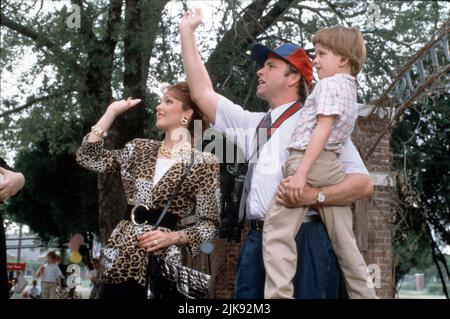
x=142, y=215
x=258, y=224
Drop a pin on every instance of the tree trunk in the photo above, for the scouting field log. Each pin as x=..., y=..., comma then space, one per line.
x=141, y=22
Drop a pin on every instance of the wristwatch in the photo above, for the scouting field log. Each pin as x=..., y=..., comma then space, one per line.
x=320, y=197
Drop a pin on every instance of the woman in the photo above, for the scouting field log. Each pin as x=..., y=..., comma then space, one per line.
x=150, y=170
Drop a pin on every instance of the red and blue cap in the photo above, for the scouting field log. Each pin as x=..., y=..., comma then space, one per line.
x=290, y=53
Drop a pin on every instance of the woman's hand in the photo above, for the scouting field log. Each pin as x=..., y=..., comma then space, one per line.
x=155, y=239
x=11, y=184
x=114, y=109
x=118, y=107
x=191, y=20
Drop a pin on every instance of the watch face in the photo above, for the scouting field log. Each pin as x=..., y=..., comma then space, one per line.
x=321, y=197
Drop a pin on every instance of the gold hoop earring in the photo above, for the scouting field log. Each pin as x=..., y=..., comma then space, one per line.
x=184, y=121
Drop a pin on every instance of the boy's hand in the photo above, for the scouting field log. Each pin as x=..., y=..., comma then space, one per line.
x=191, y=20
x=294, y=186
x=308, y=198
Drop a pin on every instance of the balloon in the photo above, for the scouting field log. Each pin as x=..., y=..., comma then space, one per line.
x=75, y=257
x=76, y=241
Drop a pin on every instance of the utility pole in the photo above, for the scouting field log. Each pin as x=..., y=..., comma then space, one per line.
x=19, y=244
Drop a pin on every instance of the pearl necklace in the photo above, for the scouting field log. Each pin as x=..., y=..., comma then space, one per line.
x=166, y=151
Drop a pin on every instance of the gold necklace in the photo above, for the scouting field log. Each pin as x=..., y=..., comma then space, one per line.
x=166, y=151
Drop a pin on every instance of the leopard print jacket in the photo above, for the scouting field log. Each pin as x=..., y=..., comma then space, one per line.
x=122, y=259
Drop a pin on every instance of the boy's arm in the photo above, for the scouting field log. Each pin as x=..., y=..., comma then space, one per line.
x=295, y=184
x=316, y=144
x=202, y=90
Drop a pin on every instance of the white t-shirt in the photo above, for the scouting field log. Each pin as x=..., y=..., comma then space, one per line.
x=51, y=273
x=161, y=167
x=240, y=125
x=93, y=274
x=34, y=292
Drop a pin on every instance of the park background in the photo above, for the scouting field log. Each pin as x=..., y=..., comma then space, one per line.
x=63, y=62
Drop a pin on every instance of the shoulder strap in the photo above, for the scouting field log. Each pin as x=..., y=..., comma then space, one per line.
x=286, y=114
x=291, y=110
x=175, y=191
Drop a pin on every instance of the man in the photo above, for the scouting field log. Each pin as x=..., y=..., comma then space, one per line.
x=10, y=184
x=93, y=275
x=284, y=79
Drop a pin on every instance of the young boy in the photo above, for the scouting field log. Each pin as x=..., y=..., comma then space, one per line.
x=51, y=276
x=326, y=122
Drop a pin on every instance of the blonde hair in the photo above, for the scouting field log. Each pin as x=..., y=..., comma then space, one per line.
x=346, y=42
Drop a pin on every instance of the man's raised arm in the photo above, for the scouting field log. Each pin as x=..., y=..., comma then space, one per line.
x=202, y=90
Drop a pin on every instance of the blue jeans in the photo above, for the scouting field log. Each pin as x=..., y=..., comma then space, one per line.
x=317, y=274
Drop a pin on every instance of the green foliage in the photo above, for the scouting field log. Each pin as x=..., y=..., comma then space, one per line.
x=434, y=289
x=60, y=197
x=411, y=252
x=421, y=144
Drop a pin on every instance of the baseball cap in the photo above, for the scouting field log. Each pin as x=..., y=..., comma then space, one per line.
x=289, y=52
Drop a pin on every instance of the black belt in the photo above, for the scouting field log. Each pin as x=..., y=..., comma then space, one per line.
x=141, y=215
x=258, y=224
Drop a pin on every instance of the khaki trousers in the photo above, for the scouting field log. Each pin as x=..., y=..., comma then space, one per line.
x=49, y=290
x=282, y=223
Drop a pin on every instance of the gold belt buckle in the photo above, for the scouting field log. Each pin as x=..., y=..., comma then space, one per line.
x=132, y=217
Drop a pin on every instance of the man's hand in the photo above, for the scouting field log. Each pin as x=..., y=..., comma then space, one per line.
x=12, y=183
x=191, y=20
x=306, y=199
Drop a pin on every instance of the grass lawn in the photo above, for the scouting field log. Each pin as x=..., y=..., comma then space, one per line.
x=418, y=294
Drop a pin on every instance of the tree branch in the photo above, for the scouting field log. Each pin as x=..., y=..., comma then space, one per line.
x=243, y=33
x=41, y=40
x=276, y=13
x=32, y=100
x=334, y=9
x=317, y=11
x=114, y=20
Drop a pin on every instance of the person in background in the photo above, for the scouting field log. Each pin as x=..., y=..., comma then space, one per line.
x=94, y=277
x=63, y=269
x=34, y=292
x=11, y=182
x=51, y=276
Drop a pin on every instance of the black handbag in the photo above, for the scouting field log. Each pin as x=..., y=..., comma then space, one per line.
x=189, y=282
